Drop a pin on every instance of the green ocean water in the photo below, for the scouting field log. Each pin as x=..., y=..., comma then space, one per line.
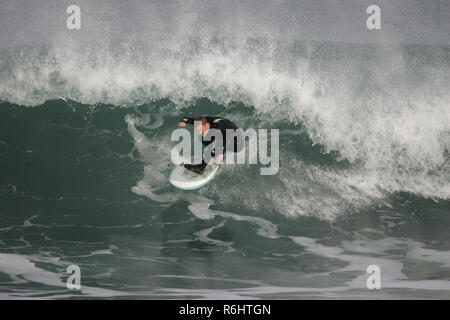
x=363, y=180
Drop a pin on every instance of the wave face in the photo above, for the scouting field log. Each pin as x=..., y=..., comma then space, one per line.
x=382, y=110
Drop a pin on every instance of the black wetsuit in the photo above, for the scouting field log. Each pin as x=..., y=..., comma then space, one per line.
x=221, y=124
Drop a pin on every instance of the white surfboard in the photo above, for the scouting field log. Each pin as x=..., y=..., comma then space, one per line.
x=185, y=179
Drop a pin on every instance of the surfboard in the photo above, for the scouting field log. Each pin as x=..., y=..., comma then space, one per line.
x=185, y=179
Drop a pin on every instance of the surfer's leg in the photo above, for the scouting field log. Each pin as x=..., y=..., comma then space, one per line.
x=202, y=165
x=197, y=168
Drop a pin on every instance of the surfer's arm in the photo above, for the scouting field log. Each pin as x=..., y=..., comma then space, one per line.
x=219, y=158
x=217, y=155
x=186, y=120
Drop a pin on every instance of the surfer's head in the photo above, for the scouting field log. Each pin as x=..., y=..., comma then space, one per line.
x=203, y=127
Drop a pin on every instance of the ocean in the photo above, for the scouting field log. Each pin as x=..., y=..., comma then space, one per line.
x=363, y=180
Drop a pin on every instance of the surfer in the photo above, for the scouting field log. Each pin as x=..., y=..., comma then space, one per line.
x=206, y=123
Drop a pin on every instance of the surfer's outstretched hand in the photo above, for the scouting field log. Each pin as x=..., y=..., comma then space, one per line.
x=219, y=158
x=182, y=124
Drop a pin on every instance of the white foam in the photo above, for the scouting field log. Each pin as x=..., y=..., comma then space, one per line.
x=202, y=235
x=17, y=265
x=392, y=276
x=22, y=269
x=201, y=210
x=154, y=155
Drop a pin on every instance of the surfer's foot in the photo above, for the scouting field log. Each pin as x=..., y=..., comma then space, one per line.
x=197, y=168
